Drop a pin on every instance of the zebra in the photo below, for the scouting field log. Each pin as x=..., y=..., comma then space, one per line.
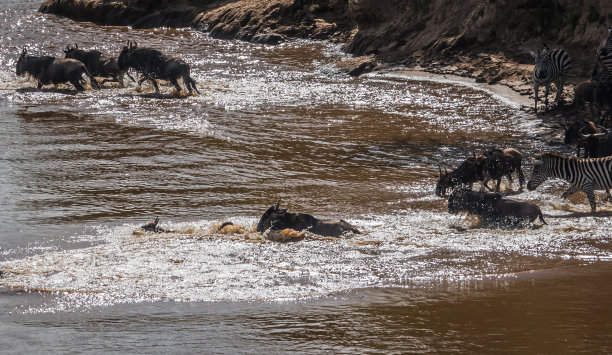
x=550, y=65
x=602, y=74
x=583, y=174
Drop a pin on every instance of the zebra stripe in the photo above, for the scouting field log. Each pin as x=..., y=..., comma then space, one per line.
x=583, y=174
x=550, y=66
x=603, y=61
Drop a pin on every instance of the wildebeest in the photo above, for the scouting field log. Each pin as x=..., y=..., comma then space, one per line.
x=493, y=209
x=98, y=64
x=596, y=145
x=502, y=162
x=466, y=174
x=579, y=131
x=584, y=92
x=278, y=219
x=51, y=70
x=155, y=65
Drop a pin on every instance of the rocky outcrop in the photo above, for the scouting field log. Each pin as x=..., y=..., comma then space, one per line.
x=135, y=13
x=272, y=21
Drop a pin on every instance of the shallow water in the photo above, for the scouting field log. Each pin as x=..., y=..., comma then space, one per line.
x=81, y=173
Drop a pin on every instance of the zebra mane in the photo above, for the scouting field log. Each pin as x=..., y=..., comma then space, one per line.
x=552, y=155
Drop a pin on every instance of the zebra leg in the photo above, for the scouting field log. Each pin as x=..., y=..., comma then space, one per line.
x=546, y=89
x=572, y=190
x=559, y=90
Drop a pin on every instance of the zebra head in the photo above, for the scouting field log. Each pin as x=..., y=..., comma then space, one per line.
x=540, y=69
x=538, y=175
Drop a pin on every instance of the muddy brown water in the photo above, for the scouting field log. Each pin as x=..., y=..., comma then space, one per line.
x=81, y=172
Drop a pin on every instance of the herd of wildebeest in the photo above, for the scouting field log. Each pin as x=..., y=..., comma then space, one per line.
x=494, y=208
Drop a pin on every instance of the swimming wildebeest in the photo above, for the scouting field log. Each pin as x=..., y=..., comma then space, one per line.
x=98, y=64
x=502, y=162
x=278, y=219
x=493, y=209
x=466, y=174
x=153, y=227
x=51, y=70
x=155, y=65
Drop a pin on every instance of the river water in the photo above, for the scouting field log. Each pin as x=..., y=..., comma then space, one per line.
x=81, y=172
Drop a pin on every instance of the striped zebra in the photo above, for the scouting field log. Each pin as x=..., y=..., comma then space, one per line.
x=550, y=66
x=583, y=174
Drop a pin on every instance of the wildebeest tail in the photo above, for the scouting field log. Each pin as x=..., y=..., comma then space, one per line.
x=542, y=218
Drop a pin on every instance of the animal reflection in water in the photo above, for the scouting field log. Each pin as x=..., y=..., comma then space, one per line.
x=494, y=210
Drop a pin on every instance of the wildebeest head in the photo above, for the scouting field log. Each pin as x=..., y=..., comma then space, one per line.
x=124, y=56
x=444, y=182
x=69, y=51
x=21, y=63
x=266, y=219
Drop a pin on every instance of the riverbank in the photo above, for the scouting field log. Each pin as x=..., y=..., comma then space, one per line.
x=487, y=41
x=475, y=40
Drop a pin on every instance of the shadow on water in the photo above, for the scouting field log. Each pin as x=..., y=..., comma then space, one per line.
x=581, y=215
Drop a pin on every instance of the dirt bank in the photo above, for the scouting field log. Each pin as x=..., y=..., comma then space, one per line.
x=488, y=41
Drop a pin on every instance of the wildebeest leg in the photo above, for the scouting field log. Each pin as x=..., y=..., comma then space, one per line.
x=176, y=84
x=521, y=177
x=155, y=85
x=192, y=82
x=77, y=85
x=39, y=85
x=608, y=196
x=485, y=183
x=498, y=183
x=128, y=75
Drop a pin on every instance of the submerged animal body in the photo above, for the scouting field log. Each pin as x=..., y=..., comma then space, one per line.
x=493, y=209
x=155, y=65
x=50, y=70
x=583, y=174
x=278, y=219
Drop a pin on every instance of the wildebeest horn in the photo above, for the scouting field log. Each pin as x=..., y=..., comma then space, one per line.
x=603, y=132
x=24, y=51
x=445, y=172
x=277, y=204
x=76, y=45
